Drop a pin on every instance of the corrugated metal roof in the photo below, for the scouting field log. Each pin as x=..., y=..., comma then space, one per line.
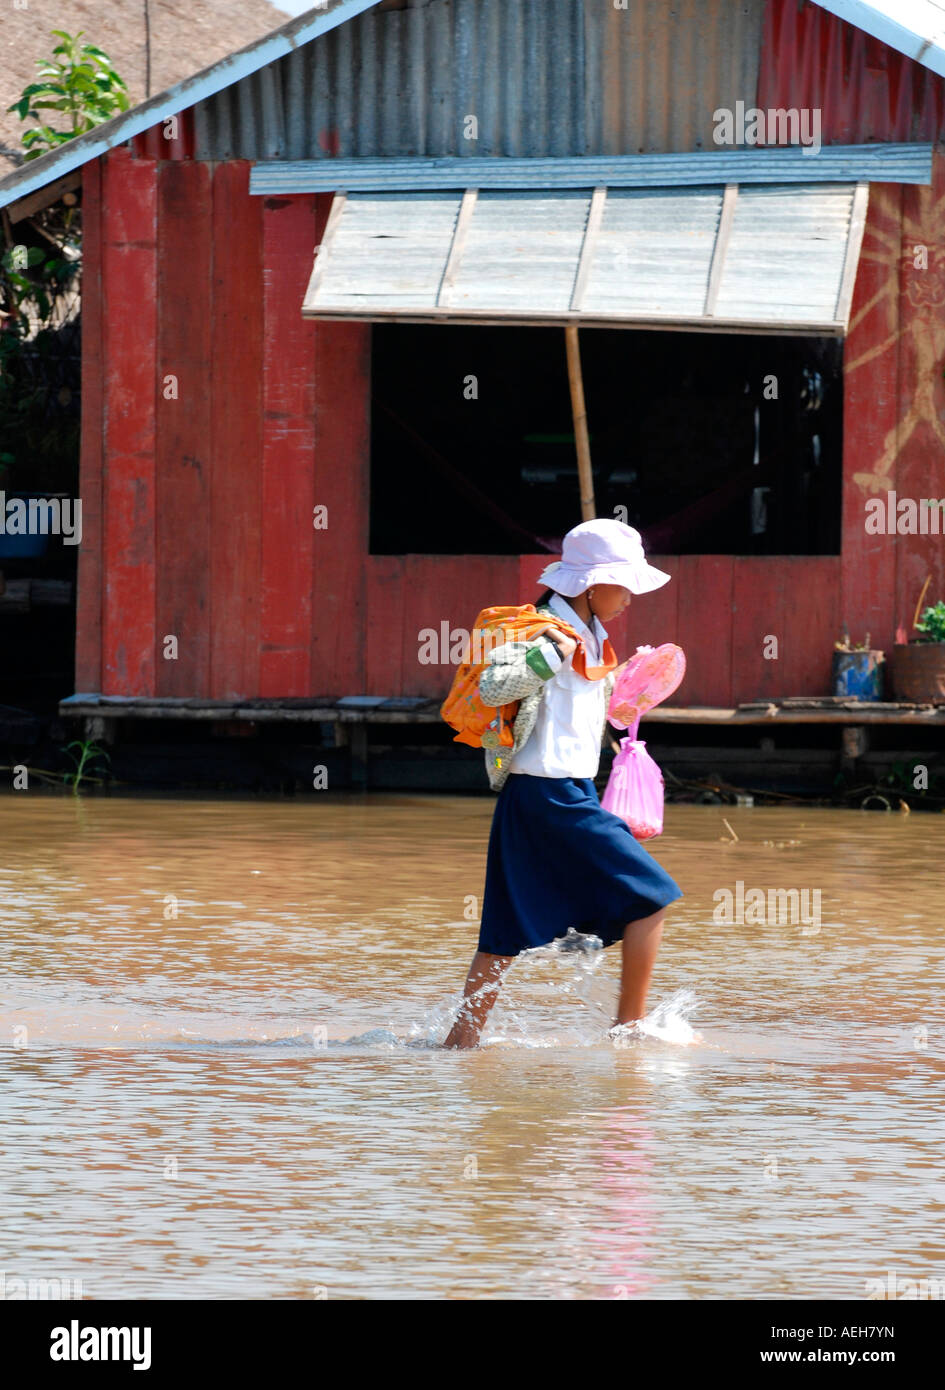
x=321, y=19
x=541, y=77
x=771, y=258
x=404, y=82
x=657, y=71
x=913, y=27
x=831, y=164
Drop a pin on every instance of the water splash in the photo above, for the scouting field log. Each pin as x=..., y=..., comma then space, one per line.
x=668, y=1022
x=386, y=1037
x=521, y=1014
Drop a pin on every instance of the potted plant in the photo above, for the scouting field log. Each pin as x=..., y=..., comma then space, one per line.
x=917, y=668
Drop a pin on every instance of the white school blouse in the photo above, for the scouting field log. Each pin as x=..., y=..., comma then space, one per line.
x=565, y=741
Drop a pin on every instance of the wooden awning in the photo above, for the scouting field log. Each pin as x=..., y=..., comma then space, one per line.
x=756, y=258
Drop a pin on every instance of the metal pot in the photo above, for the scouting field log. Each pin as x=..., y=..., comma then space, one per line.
x=917, y=672
x=858, y=675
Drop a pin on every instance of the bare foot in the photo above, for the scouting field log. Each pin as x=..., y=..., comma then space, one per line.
x=623, y=1034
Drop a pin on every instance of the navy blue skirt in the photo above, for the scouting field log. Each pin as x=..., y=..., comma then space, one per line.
x=556, y=860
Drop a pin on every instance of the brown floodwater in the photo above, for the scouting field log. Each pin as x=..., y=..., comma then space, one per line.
x=221, y=1072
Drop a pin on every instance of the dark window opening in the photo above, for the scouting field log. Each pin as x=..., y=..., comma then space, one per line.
x=724, y=444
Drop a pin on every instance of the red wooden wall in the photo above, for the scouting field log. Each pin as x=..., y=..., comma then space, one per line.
x=198, y=511
x=894, y=393
x=864, y=89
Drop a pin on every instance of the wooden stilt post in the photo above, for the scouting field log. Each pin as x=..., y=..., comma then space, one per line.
x=579, y=413
x=358, y=754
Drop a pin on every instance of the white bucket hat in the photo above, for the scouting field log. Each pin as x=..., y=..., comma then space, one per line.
x=602, y=552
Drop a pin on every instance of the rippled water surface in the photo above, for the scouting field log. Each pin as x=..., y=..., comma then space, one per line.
x=221, y=1072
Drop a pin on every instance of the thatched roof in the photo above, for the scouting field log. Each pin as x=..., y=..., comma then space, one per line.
x=186, y=36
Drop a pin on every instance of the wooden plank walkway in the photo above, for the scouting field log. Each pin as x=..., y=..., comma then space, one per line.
x=804, y=710
x=351, y=718
x=349, y=710
x=370, y=709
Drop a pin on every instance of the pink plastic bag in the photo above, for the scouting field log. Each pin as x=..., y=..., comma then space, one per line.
x=649, y=677
x=635, y=788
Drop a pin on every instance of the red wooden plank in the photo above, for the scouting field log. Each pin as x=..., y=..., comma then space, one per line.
x=182, y=460
x=129, y=275
x=288, y=484
x=430, y=603
x=88, y=643
x=759, y=605
x=236, y=435
x=811, y=623
x=652, y=619
x=477, y=581
x=870, y=421
x=342, y=468
x=384, y=627
x=444, y=593
x=342, y=465
x=920, y=465
x=529, y=568
x=705, y=589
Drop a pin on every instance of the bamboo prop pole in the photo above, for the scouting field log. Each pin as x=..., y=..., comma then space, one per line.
x=579, y=414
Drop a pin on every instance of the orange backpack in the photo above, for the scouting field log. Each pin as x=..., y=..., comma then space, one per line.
x=484, y=726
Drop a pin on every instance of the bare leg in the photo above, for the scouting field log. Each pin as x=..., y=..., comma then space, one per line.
x=482, y=988
x=641, y=941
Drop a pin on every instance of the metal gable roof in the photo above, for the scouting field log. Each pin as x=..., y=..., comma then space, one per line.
x=324, y=16
x=913, y=27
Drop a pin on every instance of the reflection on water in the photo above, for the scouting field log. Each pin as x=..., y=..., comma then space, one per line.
x=220, y=1028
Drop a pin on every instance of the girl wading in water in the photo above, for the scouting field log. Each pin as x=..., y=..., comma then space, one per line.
x=556, y=858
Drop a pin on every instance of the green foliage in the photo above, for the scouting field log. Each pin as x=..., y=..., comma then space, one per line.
x=85, y=753
x=39, y=373
x=34, y=278
x=78, y=82
x=932, y=623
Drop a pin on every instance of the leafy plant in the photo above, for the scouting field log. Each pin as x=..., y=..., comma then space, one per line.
x=932, y=623
x=39, y=359
x=87, y=751
x=83, y=87
x=34, y=279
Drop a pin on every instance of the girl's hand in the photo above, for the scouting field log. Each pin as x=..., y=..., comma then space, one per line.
x=565, y=644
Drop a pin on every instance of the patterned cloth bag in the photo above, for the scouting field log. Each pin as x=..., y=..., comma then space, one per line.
x=483, y=726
